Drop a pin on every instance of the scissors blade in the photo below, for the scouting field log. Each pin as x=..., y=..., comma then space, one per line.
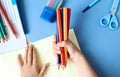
x=114, y=7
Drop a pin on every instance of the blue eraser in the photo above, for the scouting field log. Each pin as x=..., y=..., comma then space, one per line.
x=48, y=14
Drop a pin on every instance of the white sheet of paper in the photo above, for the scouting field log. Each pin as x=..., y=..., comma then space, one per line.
x=13, y=43
x=9, y=66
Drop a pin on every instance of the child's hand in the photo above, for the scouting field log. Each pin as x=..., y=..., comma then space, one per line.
x=72, y=49
x=29, y=67
x=79, y=60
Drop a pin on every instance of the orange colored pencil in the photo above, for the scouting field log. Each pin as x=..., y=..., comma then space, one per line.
x=59, y=23
x=65, y=29
x=60, y=33
x=8, y=20
x=66, y=23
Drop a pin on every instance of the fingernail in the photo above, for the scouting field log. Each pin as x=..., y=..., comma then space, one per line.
x=31, y=45
x=47, y=64
x=27, y=46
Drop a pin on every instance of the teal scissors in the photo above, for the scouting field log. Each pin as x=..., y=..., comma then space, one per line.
x=110, y=20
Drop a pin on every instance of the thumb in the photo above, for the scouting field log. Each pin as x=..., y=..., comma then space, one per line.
x=44, y=68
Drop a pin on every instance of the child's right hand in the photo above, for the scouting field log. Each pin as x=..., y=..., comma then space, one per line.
x=79, y=60
x=72, y=49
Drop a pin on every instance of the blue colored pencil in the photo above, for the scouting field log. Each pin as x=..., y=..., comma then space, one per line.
x=58, y=55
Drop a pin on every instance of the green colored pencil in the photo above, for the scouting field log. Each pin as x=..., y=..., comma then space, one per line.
x=1, y=36
x=3, y=31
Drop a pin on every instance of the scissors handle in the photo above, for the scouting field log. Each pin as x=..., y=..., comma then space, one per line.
x=104, y=21
x=109, y=21
x=113, y=25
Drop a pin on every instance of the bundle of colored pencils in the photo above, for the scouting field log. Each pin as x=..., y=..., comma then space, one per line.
x=63, y=23
x=54, y=3
x=4, y=15
x=3, y=35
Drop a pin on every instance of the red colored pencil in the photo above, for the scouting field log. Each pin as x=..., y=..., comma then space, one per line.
x=60, y=33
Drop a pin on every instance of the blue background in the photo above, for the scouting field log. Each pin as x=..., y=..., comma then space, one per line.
x=101, y=46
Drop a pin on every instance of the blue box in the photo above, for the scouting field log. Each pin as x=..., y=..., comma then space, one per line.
x=48, y=14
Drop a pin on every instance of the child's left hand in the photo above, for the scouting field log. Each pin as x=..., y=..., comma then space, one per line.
x=29, y=67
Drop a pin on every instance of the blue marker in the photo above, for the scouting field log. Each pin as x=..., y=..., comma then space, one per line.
x=91, y=5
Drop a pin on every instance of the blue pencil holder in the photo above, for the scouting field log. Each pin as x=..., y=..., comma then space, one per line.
x=48, y=14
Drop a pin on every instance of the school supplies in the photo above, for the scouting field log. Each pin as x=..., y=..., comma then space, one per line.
x=110, y=20
x=49, y=12
x=63, y=23
x=60, y=35
x=90, y=5
x=11, y=10
x=8, y=20
x=58, y=55
x=3, y=34
x=9, y=63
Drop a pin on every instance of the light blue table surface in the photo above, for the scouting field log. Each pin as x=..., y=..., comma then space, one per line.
x=101, y=46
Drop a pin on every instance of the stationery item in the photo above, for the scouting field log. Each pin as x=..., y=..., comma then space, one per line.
x=63, y=23
x=57, y=4
x=110, y=20
x=50, y=3
x=3, y=31
x=90, y=5
x=58, y=55
x=66, y=24
x=54, y=3
x=49, y=13
x=61, y=1
x=9, y=63
x=12, y=43
x=8, y=20
x=1, y=36
x=60, y=33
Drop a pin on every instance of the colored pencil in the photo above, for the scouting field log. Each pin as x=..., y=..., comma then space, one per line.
x=60, y=3
x=51, y=3
x=63, y=23
x=1, y=35
x=2, y=10
x=66, y=23
x=60, y=33
x=58, y=55
x=3, y=28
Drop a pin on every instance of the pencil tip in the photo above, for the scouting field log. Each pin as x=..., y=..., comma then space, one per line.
x=16, y=36
x=6, y=38
x=3, y=40
x=58, y=66
x=63, y=67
